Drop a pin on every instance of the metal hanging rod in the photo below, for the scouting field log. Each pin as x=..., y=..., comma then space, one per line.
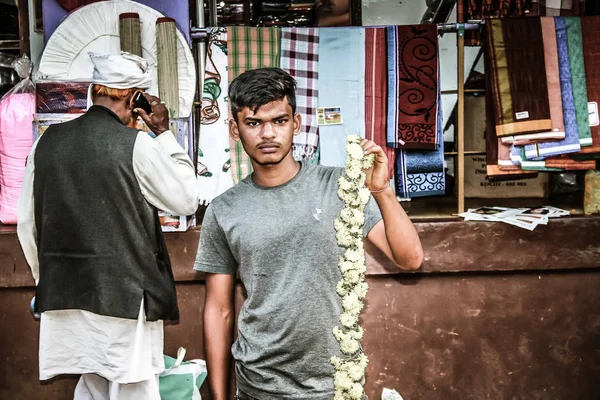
x=202, y=33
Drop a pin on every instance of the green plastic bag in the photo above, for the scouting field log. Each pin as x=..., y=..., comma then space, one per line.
x=181, y=380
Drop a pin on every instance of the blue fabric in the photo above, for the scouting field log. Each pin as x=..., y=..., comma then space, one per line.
x=341, y=84
x=392, y=109
x=421, y=173
x=570, y=144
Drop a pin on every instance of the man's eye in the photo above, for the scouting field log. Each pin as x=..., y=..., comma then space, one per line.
x=252, y=123
x=281, y=121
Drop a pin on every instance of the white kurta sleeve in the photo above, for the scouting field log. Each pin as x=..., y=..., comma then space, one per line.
x=26, y=230
x=165, y=173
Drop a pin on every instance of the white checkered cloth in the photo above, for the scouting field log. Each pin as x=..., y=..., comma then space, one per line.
x=300, y=57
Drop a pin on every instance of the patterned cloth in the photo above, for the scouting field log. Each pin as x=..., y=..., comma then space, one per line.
x=412, y=85
x=578, y=80
x=300, y=57
x=421, y=174
x=61, y=97
x=341, y=84
x=248, y=48
x=376, y=91
x=480, y=9
x=570, y=143
x=214, y=176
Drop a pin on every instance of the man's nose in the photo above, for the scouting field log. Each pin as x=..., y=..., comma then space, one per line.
x=268, y=131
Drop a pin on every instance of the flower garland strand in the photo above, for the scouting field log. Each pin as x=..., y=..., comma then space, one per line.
x=350, y=369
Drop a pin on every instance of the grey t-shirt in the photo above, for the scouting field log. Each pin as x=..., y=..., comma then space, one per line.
x=282, y=242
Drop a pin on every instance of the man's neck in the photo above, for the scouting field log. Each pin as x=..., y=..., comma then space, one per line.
x=276, y=174
x=117, y=107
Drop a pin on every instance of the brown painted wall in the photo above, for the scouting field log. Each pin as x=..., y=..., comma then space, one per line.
x=496, y=313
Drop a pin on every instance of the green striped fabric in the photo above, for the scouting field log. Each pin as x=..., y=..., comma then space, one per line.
x=249, y=48
x=578, y=80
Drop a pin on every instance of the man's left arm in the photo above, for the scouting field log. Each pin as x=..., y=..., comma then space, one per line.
x=26, y=229
x=394, y=235
x=164, y=171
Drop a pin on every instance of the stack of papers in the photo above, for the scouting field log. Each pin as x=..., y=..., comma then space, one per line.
x=526, y=218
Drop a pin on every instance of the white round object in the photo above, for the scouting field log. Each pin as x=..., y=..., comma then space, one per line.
x=95, y=28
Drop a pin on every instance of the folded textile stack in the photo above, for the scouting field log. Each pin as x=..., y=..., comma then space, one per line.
x=54, y=97
x=541, y=124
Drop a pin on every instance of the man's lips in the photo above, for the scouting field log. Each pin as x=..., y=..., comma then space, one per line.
x=268, y=147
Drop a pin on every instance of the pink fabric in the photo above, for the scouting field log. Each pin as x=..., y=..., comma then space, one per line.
x=16, y=139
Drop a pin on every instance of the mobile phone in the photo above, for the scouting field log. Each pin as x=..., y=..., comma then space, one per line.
x=140, y=101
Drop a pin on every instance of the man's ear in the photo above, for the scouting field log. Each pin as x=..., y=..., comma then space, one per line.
x=297, y=123
x=234, y=131
x=130, y=105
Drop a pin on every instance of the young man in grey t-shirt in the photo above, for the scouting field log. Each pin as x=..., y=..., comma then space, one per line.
x=275, y=229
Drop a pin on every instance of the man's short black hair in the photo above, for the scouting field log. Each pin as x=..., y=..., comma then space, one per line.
x=257, y=87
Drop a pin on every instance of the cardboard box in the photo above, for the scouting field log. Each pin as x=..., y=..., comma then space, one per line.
x=478, y=186
x=474, y=123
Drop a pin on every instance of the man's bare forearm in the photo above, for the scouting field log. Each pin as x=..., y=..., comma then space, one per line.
x=218, y=337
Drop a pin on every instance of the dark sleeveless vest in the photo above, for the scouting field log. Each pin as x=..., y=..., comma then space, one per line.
x=100, y=244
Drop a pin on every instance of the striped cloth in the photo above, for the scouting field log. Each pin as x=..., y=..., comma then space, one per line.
x=248, y=48
x=571, y=142
x=412, y=84
x=300, y=57
x=376, y=91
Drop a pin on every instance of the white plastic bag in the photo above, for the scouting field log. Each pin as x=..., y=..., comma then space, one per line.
x=181, y=380
x=390, y=394
x=17, y=109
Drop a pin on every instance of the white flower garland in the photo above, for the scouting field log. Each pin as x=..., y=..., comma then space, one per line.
x=350, y=369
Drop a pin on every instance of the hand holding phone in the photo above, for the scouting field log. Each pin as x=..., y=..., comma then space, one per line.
x=157, y=118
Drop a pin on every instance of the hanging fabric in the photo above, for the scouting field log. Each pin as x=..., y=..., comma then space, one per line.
x=495, y=149
x=570, y=144
x=481, y=9
x=214, y=165
x=421, y=174
x=554, y=95
x=341, y=90
x=576, y=61
x=376, y=91
x=520, y=97
x=590, y=32
x=300, y=57
x=249, y=48
x=412, y=85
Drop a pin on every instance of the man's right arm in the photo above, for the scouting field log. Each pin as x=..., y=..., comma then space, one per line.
x=219, y=314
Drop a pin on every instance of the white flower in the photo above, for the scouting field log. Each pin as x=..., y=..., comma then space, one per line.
x=352, y=303
x=342, y=380
x=364, y=195
x=356, y=372
x=344, y=184
x=348, y=320
x=361, y=290
x=355, y=151
x=358, y=217
x=341, y=288
x=346, y=214
x=351, y=277
x=356, y=392
x=353, y=255
x=347, y=266
x=344, y=237
x=349, y=346
x=339, y=395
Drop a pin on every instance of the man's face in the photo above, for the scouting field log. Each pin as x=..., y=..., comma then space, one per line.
x=267, y=134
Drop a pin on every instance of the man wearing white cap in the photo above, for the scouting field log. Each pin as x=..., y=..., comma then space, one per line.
x=90, y=231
